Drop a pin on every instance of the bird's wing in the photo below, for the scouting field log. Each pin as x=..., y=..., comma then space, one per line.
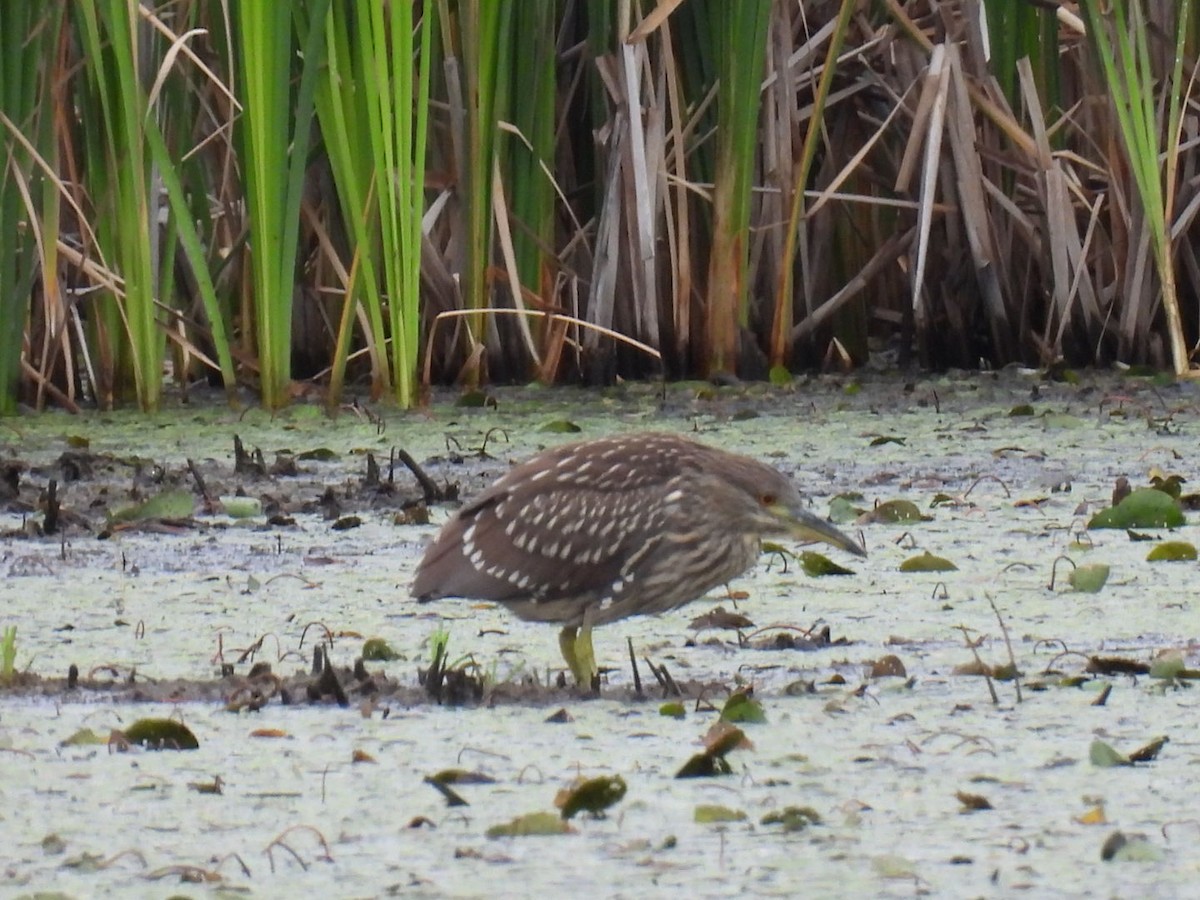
x=560, y=542
x=566, y=524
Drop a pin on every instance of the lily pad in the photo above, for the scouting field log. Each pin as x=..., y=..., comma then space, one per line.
x=241, y=507
x=709, y=813
x=82, y=738
x=536, y=824
x=927, y=562
x=592, y=795
x=475, y=400
x=1143, y=508
x=818, y=565
x=1172, y=551
x=378, y=650
x=844, y=509
x=741, y=709
x=1169, y=665
x=161, y=734
x=1089, y=579
x=167, y=505
x=793, y=818
x=896, y=511
x=1103, y=756
x=779, y=376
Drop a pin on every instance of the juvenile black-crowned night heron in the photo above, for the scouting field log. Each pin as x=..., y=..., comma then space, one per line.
x=588, y=533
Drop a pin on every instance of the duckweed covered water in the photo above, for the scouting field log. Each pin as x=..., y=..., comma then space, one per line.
x=880, y=760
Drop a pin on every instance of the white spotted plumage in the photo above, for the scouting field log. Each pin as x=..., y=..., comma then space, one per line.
x=607, y=528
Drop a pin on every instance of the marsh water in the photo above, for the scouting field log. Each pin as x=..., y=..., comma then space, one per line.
x=925, y=776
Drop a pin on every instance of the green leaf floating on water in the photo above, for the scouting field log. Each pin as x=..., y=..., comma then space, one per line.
x=708, y=813
x=1170, y=665
x=1089, y=579
x=536, y=824
x=742, y=709
x=82, y=738
x=817, y=565
x=1105, y=757
x=161, y=734
x=779, y=376
x=1172, y=551
x=241, y=507
x=793, y=818
x=1143, y=508
x=897, y=511
x=474, y=400
x=844, y=508
x=593, y=795
x=167, y=505
x=927, y=562
x=378, y=650
x=672, y=710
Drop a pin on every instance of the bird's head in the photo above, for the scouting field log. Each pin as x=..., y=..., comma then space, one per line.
x=763, y=500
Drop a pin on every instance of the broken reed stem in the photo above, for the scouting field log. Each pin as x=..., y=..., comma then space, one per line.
x=637, y=678
x=1012, y=659
x=279, y=842
x=987, y=675
x=665, y=681
x=429, y=487
x=201, y=485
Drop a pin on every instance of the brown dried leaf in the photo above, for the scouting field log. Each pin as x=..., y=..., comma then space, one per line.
x=973, y=802
x=720, y=618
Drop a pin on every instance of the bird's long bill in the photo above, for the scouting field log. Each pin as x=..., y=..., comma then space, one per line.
x=805, y=526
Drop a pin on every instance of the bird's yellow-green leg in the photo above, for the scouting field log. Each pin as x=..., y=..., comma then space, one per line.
x=585, y=657
x=566, y=643
x=576, y=645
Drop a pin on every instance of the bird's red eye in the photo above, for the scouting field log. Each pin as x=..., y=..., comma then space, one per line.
x=767, y=499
